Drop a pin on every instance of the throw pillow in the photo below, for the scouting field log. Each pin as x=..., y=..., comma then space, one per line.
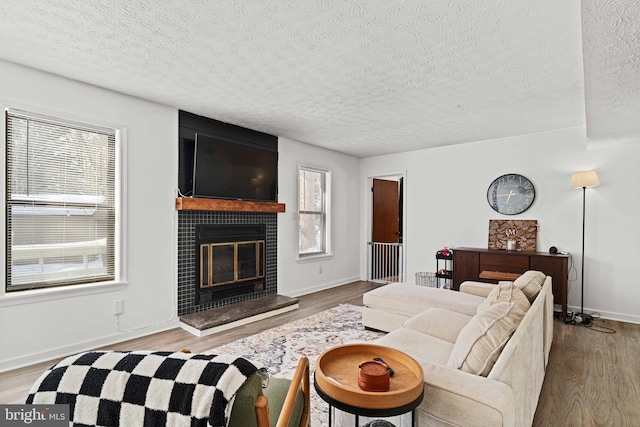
x=506, y=292
x=530, y=283
x=480, y=342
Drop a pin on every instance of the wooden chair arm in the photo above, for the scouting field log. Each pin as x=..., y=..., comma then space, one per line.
x=300, y=379
x=262, y=412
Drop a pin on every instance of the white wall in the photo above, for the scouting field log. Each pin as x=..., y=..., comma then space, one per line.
x=302, y=277
x=61, y=324
x=34, y=331
x=446, y=205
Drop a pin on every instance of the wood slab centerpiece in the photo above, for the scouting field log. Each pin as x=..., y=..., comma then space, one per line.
x=523, y=232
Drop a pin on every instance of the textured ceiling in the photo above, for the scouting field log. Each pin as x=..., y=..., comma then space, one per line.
x=364, y=77
x=612, y=68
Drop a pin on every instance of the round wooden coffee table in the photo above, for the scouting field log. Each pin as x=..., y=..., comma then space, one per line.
x=336, y=381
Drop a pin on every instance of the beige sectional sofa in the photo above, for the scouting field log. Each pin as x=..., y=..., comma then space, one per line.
x=484, y=350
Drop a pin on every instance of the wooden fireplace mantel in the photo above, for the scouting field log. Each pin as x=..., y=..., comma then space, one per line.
x=224, y=205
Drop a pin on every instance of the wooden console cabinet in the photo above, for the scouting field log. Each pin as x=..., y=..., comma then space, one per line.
x=491, y=266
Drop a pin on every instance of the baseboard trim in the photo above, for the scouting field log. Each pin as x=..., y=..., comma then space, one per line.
x=61, y=352
x=609, y=315
x=322, y=287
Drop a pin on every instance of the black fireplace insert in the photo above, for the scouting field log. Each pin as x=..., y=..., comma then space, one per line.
x=230, y=260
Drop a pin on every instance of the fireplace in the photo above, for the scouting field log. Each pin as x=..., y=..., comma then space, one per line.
x=230, y=260
x=188, y=255
x=248, y=280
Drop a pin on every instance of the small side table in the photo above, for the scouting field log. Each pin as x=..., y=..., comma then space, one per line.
x=336, y=381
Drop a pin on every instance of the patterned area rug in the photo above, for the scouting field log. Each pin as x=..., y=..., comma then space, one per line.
x=279, y=349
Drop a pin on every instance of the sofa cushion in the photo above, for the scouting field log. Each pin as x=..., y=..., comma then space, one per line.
x=438, y=322
x=506, y=292
x=480, y=289
x=530, y=283
x=417, y=344
x=480, y=342
x=408, y=300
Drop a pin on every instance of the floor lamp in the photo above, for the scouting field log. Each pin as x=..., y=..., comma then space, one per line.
x=584, y=180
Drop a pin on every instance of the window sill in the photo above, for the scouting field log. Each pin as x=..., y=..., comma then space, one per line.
x=49, y=294
x=311, y=258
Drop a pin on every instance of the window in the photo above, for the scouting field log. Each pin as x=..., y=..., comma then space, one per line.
x=60, y=195
x=313, y=197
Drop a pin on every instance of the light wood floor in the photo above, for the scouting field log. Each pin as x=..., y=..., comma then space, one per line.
x=592, y=378
x=15, y=385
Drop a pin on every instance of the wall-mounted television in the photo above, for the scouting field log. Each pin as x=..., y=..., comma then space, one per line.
x=234, y=170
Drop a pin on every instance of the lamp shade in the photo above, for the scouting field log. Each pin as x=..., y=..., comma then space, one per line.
x=585, y=179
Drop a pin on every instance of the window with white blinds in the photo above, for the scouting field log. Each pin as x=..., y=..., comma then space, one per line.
x=313, y=196
x=61, y=211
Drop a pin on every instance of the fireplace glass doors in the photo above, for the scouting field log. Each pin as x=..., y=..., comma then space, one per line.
x=224, y=263
x=230, y=260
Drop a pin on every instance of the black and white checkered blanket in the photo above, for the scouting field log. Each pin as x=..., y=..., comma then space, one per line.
x=144, y=388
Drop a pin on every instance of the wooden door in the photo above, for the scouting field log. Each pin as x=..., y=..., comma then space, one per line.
x=386, y=233
x=386, y=212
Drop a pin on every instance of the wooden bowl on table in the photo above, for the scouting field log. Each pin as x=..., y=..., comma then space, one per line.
x=337, y=374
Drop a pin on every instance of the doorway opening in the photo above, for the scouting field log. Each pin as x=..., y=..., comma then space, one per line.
x=386, y=252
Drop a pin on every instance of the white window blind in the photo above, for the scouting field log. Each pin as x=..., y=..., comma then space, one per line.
x=61, y=209
x=312, y=209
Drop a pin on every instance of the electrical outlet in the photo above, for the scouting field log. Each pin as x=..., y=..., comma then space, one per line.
x=118, y=306
x=320, y=270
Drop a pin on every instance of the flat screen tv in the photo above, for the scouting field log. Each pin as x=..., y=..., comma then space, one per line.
x=232, y=170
